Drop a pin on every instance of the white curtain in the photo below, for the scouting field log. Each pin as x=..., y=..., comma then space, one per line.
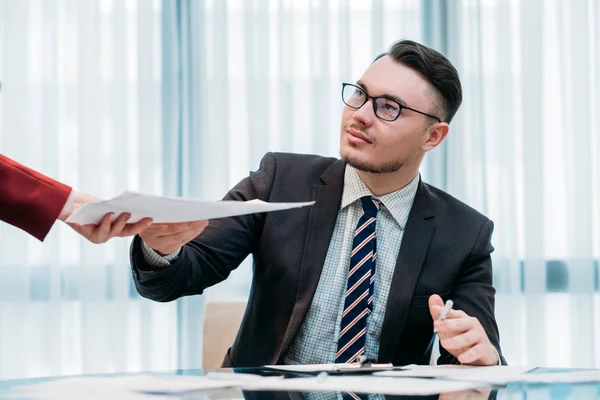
x=524, y=150
x=80, y=101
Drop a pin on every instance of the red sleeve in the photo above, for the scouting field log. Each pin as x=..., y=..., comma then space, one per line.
x=29, y=200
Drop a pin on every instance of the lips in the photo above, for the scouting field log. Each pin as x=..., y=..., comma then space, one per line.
x=358, y=135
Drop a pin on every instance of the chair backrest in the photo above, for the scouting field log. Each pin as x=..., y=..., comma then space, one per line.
x=222, y=320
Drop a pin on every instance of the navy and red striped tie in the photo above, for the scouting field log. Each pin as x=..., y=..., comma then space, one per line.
x=361, y=279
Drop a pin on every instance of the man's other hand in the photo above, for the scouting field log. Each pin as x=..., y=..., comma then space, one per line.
x=166, y=239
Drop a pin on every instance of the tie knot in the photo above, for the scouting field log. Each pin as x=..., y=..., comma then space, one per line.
x=370, y=205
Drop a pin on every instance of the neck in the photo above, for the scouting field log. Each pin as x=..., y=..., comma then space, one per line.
x=382, y=184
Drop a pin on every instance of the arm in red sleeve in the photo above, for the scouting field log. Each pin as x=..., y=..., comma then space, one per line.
x=29, y=200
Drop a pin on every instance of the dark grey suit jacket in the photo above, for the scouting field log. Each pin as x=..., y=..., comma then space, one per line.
x=445, y=250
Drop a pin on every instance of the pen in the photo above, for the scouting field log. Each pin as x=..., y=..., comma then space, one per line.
x=441, y=317
x=362, y=360
x=445, y=311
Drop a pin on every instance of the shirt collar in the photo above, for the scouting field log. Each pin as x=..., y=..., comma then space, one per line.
x=398, y=203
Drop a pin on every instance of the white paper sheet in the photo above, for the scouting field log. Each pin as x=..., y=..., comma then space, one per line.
x=504, y=378
x=171, y=209
x=494, y=375
x=131, y=387
x=322, y=367
x=364, y=384
x=586, y=376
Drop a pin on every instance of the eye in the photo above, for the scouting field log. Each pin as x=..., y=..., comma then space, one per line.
x=358, y=94
x=390, y=106
x=387, y=109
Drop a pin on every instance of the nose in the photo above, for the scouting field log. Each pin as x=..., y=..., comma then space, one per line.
x=365, y=114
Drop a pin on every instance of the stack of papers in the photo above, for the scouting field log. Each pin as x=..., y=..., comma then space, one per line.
x=132, y=387
x=583, y=376
x=365, y=384
x=172, y=209
x=495, y=375
x=339, y=367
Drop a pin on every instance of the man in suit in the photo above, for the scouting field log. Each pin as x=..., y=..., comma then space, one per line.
x=32, y=201
x=365, y=271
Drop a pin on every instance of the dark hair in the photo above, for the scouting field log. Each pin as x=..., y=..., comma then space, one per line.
x=435, y=68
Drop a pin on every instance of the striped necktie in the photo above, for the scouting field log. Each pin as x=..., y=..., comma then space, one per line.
x=359, y=294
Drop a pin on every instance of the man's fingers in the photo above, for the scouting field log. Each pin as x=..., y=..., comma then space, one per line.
x=435, y=313
x=435, y=305
x=159, y=231
x=457, y=314
x=177, y=228
x=164, y=232
x=169, y=244
x=134, y=229
x=460, y=333
x=474, y=353
x=462, y=341
x=166, y=238
x=170, y=229
x=185, y=236
x=455, y=326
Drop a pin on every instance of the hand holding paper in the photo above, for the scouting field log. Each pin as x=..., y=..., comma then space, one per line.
x=176, y=221
x=171, y=209
x=110, y=226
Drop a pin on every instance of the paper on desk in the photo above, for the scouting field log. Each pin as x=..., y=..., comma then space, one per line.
x=582, y=376
x=493, y=375
x=363, y=384
x=321, y=367
x=133, y=387
x=172, y=209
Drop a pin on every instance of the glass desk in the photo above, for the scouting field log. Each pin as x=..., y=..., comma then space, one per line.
x=512, y=391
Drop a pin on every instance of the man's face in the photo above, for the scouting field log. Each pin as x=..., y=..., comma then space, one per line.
x=371, y=144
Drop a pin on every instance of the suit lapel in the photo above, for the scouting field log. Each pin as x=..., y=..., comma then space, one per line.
x=321, y=222
x=415, y=242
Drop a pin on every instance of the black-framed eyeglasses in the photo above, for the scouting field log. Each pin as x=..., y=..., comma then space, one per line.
x=384, y=108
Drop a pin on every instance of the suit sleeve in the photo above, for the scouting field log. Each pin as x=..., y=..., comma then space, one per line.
x=218, y=250
x=474, y=293
x=30, y=201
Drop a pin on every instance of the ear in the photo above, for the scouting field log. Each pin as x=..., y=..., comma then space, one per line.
x=436, y=133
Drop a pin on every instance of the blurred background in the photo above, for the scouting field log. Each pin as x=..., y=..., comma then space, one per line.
x=177, y=97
